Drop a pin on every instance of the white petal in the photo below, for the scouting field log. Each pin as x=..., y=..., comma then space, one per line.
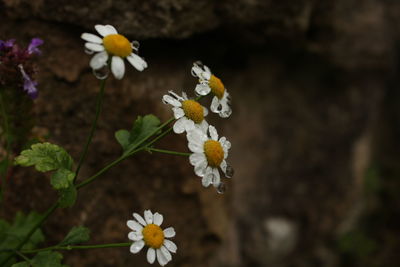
x=215, y=105
x=139, y=219
x=170, y=245
x=179, y=126
x=206, y=180
x=148, y=216
x=223, y=166
x=169, y=232
x=172, y=101
x=196, y=70
x=135, y=236
x=134, y=225
x=158, y=218
x=205, y=111
x=151, y=255
x=137, y=62
x=213, y=132
x=189, y=125
x=91, y=38
x=94, y=47
x=200, y=168
x=207, y=72
x=137, y=246
x=161, y=258
x=103, y=30
x=176, y=96
x=196, y=158
x=202, y=89
x=216, y=177
x=196, y=137
x=118, y=67
x=111, y=29
x=166, y=253
x=178, y=112
x=99, y=60
x=184, y=96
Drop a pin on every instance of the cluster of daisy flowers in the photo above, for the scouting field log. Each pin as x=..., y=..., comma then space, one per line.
x=209, y=151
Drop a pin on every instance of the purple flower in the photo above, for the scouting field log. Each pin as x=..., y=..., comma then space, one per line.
x=33, y=46
x=6, y=44
x=29, y=84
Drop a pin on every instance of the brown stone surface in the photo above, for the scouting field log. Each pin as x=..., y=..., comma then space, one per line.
x=307, y=78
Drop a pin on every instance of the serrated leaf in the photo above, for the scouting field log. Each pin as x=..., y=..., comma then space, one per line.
x=143, y=128
x=76, y=235
x=62, y=178
x=45, y=157
x=67, y=196
x=12, y=234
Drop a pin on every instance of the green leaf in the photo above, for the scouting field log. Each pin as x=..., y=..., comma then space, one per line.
x=142, y=129
x=67, y=196
x=45, y=157
x=21, y=264
x=48, y=259
x=62, y=179
x=12, y=234
x=76, y=235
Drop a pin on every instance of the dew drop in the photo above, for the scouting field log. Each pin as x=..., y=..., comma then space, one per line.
x=221, y=188
x=101, y=73
x=229, y=171
x=135, y=45
x=88, y=51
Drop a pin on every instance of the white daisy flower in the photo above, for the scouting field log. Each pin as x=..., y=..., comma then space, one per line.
x=210, y=83
x=147, y=231
x=188, y=113
x=114, y=47
x=209, y=154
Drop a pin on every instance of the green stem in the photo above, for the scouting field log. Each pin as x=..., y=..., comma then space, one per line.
x=23, y=256
x=168, y=152
x=113, y=245
x=99, y=104
x=8, y=147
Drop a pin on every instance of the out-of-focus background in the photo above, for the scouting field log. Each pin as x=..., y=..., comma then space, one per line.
x=315, y=128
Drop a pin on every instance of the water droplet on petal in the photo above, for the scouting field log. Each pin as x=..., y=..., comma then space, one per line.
x=229, y=171
x=101, y=73
x=221, y=188
x=135, y=45
x=88, y=51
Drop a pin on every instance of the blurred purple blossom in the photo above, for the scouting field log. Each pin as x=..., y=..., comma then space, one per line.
x=33, y=46
x=29, y=84
x=6, y=44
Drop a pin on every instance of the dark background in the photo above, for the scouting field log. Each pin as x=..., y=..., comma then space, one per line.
x=314, y=130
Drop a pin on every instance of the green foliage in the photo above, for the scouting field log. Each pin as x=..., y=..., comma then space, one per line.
x=48, y=157
x=12, y=234
x=76, y=235
x=44, y=259
x=45, y=157
x=356, y=243
x=67, y=196
x=143, y=128
x=62, y=178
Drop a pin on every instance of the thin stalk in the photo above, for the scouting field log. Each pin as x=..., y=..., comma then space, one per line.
x=112, y=245
x=176, y=153
x=99, y=105
x=23, y=256
x=8, y=147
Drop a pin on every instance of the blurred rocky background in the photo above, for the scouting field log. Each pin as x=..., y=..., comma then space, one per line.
x=315, y=127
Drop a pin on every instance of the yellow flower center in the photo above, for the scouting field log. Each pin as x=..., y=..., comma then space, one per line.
x=217, y=87
x=153, y=235
x=214, y=152
x=117, y=45
x=193, y=110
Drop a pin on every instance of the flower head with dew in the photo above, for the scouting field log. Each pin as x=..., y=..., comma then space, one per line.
x=208, y=82
x=209, y=155
x=16, y=68
x=147, y=231
x=188, y=113
x=112, y=48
